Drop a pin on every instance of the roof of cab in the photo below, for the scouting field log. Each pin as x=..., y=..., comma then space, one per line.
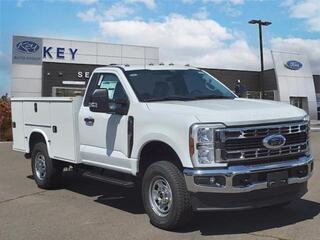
x=145, y=67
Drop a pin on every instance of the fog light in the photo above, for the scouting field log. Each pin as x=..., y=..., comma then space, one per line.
x=214, y=181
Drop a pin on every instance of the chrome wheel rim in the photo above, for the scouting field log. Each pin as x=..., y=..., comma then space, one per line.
x=160, y=196
x=40, y=166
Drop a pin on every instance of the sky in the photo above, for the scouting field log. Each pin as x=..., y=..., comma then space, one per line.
x=203, y=33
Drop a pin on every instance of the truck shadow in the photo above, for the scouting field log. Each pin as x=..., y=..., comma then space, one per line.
x=128, y=200
x=220, y=223
x=214, y=223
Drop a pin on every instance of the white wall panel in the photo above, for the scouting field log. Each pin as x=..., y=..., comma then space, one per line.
x=151, y=52
x=295, y=83
x=111, y=50
x=55, y=43
x=133, y=61
x=26, y=85
x=133, y=51
x=108, y=60
x=25, y=94
x=85, y=48
x=26, y=71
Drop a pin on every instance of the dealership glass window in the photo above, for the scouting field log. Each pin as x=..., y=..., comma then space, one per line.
x=300, y=102
x=67, y=91
x=269, y=95
x=254, y=94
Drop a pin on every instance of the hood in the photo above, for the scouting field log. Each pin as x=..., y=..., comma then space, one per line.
x=238, y=111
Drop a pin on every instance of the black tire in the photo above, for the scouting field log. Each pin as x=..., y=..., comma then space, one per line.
x=180, y=211
x=53, y=172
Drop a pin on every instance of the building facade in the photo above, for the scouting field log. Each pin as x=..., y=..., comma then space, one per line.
x=57, y=67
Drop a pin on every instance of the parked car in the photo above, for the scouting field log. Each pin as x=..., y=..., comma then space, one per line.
x=176, y=133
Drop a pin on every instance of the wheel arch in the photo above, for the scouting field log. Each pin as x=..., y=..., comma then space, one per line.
x=38, y=135
x=154, y=151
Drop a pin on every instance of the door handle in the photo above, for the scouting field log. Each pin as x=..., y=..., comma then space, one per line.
x=89, y=121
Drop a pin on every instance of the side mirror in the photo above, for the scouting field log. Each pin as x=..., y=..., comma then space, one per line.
x=99, y=101
x=119, y=106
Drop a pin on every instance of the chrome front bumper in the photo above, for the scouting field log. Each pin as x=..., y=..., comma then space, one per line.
x=230, y=172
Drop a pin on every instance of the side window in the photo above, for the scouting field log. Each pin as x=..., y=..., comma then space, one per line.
x=91, y=87
x=113, y=85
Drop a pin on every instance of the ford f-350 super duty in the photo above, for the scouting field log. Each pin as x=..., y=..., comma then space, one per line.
x=177, y=134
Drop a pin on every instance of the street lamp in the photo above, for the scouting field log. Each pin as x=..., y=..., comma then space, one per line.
x=261, y=23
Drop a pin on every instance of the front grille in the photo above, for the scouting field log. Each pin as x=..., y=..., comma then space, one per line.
x=237, y=143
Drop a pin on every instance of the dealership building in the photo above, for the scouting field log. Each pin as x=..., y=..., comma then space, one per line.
x=57, y=67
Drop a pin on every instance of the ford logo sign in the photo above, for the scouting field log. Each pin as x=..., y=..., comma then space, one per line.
x=27, y=47
x=274, y=141
x=293, y=65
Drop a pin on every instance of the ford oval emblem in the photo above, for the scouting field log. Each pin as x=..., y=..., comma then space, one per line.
x=293, y=65
x=27, y=47
x=274, y=141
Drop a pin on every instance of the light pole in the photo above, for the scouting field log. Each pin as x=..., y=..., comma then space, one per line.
x=261, y=23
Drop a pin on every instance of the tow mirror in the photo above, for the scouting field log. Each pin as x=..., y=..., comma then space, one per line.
x=119, y=106
x=99, y=101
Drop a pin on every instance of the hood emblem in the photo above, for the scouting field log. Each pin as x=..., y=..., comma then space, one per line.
x=274, y=141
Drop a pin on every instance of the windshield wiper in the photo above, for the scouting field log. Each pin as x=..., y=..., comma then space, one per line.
x=170, y=98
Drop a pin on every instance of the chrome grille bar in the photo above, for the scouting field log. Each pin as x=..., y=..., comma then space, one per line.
x=232, y=143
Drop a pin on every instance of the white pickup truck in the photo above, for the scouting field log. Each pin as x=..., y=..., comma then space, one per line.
x=176, y=133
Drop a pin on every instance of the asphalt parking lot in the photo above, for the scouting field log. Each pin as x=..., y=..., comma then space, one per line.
x=85, y=209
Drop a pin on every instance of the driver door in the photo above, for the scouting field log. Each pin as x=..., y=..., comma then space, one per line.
x=103, y=136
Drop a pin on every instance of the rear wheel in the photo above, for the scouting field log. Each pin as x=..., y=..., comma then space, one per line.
x=165, y=196
x=46, y=172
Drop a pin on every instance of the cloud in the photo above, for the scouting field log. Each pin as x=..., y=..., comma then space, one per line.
x=151, y=4
x=234, y=2
x=86, y=2
x=115, y=12
x=227, y=7
x=308, y=10
x=202, y=13
x=230, y=11
x=200, y=42
x=20, y=2
x=89, y=15
x=311, y=47
x=188, y=1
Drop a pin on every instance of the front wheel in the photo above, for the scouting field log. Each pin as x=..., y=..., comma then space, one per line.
x=165, y=196
x=46, y=172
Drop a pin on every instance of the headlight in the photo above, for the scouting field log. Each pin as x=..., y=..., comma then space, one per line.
x=201, y=144
x=306, y=118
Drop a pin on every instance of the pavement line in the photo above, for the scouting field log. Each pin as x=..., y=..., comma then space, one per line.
x=22, y=196
x=267, y=236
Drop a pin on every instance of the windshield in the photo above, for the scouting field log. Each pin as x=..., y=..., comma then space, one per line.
x=184, y=85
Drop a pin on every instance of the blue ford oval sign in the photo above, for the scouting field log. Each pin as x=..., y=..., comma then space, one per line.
x=274, y=141
x=293, y=65
x=27, y=47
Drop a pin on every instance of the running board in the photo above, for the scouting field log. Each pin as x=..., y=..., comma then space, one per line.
x=108, y=179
